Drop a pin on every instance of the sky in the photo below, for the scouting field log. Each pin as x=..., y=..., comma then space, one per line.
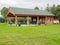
x=28, y=3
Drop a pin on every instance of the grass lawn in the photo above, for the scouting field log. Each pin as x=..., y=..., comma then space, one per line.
x=30, y=35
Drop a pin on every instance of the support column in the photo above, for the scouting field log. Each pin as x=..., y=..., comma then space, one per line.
x=52, y=20
x=8, y=19
x=46, y=20
x=28, y=20
x=37, y=19
x=16, y=20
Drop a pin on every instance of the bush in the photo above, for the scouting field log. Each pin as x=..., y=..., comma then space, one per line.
x=2, y=20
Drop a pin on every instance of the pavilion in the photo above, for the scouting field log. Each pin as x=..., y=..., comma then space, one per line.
x=39, y=16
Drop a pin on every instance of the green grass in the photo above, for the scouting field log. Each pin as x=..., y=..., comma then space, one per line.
x=30, y=35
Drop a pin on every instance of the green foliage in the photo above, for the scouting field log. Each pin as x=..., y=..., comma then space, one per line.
x=4, y=12
x=2, y=20
x=36, y=8
x=22, y=20
x=48, y=8
x=13, y=20
x=53, y=9
x=58, y=10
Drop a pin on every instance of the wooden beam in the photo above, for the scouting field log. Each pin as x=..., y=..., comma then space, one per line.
x=16, y=20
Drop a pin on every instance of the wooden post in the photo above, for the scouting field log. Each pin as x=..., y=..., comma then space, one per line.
x=46, y=20
x=28, y=20
x=16, y=20
x=8, y=19
x=52, y=20
x=37, y=19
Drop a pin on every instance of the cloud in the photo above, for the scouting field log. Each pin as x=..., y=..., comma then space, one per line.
x=28, y=3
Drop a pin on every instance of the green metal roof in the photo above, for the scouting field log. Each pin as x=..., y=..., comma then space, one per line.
x=31, y=11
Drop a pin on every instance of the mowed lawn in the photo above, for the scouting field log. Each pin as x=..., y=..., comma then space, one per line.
x=30, y=35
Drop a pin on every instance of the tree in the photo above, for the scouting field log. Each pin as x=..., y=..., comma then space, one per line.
x=58, y=12
x=48, y=8
x=2, y=20
x=4, y=12
x=53, y=10
x=13, y=20
x=36, y=8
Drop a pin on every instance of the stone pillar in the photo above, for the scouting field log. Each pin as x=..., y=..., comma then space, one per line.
x=28, y=20
x=37, y=19
x=16, y=20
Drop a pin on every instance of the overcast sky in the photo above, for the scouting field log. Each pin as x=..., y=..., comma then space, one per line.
x=27, y=3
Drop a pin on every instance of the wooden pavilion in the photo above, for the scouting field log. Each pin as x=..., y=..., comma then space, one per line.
x=39, y=16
